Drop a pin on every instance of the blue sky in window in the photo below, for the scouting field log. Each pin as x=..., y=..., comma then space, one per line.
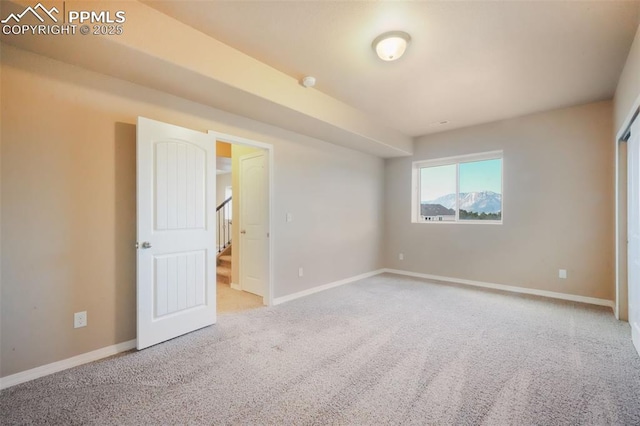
x=437, y=181
x=476, y=176
x=481, y=176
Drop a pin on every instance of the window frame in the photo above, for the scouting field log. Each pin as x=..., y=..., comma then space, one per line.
x=416, y=217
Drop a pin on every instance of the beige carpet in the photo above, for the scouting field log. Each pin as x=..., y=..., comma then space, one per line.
x=387, y=350
x=230, y=300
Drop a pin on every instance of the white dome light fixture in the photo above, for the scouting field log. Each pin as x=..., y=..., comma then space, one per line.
x=391, y=45
x=309, y=81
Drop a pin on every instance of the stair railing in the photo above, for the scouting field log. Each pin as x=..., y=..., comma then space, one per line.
x=223, y=222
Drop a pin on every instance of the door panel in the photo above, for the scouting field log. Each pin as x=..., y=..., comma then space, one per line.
x=176, y=220
x=253, y=224
x=179, y=282
x=180, y=195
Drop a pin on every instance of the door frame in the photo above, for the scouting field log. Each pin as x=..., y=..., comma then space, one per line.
x=633, y=238
x=232, y=139
x=621, y=208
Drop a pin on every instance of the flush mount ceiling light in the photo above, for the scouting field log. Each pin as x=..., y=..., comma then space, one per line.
x=391, y=46
x=309, y=81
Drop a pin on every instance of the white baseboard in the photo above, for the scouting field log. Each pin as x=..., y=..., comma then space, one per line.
x=522, y=290
x=235, y=286
x=293, y=296
x=45, y=370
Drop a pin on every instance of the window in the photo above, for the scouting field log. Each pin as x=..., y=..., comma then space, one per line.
x=464, y=189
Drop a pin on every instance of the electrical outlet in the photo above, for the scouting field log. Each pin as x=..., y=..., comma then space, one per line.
x=401, y=256
x=289, y=217
x=300, y=272
x=562, y=273
x=80, y=319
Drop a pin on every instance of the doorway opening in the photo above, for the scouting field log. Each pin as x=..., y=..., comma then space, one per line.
x=243, y=224
x=176, y=237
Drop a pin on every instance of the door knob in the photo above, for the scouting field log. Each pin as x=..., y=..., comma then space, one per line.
x=146, y=245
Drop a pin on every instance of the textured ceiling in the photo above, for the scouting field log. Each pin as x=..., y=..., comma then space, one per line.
x=468, y=62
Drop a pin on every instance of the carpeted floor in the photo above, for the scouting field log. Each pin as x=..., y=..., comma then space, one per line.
x=385, y=350
x=230, y=300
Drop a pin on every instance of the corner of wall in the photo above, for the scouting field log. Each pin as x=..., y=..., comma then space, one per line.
x=627, y=94
x=524, y=251
x=625, y=102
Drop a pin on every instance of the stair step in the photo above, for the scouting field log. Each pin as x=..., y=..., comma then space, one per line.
x=225, y=261
x=223, y=275
x=221, y=270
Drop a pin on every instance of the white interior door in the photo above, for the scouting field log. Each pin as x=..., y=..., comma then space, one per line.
x=253, y=223
x=176, y=231
x=633, y=230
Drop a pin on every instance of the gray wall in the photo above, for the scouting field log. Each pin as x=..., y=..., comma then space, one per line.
x=337, y=210
x=68, y=205
x=558, y=206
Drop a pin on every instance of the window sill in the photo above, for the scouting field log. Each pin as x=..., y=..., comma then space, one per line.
x=465, y=222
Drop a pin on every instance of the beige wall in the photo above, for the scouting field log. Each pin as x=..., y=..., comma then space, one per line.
x=68, y=205
x=627, y=94
x=558, y=206
x=1, y=52
x=628, y=89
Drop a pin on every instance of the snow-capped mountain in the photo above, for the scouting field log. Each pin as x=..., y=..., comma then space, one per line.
x=479, y=202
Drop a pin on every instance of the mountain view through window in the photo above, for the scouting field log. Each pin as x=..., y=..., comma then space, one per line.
x=465, y=191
